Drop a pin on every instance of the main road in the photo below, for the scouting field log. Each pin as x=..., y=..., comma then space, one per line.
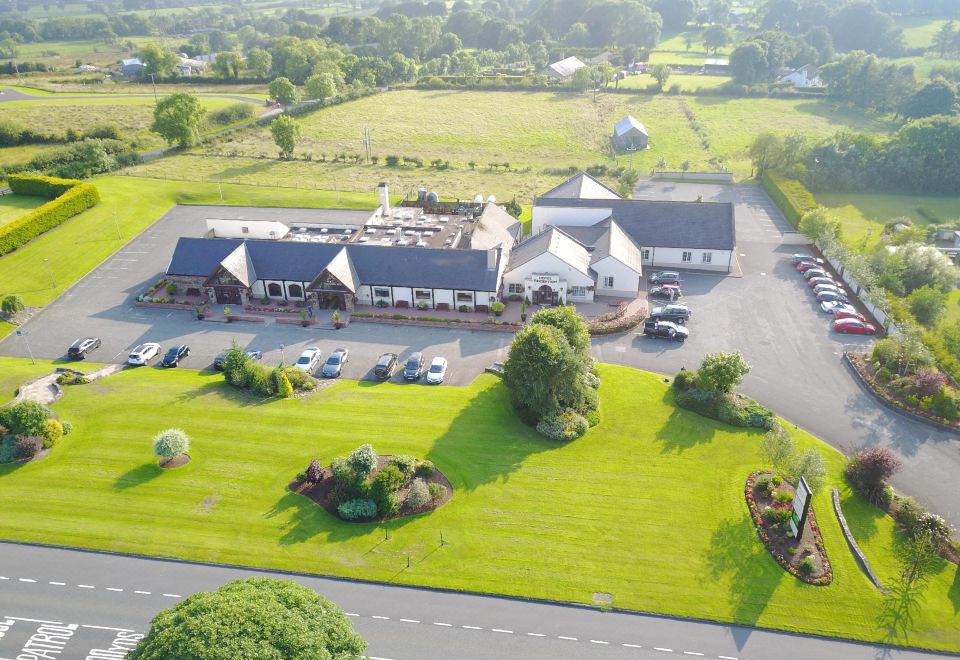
x=78, y=604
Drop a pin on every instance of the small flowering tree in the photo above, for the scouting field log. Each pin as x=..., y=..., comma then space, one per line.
x=170, y=443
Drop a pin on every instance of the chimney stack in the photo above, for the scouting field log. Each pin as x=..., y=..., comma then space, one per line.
x=384, y=197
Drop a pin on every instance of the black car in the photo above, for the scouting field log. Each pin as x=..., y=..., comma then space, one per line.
x=666, y=292
x=222, y=355
x=675, y=313
x=665, y=330
x=385, y=366
x=414, y=367
x=174, y=355
x=78, y=350
x=334, y=364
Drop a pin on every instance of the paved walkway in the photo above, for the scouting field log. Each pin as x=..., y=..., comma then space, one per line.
x=45, y=389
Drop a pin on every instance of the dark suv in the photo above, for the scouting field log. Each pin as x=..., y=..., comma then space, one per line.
x=665, y=330
x=174, y=355
x=385, y=366
x=78, y=350
x=414, y=367
x=675, y=313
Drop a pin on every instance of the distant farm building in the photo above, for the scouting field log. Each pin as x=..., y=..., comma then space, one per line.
x=131, y=68
x=563, y=69
x=804, y=78
x=716, y=66
x=630, y=135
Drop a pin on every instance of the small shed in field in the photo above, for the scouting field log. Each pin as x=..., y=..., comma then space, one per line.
x=630, y=135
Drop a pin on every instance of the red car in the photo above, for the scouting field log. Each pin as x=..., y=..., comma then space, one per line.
x=854, y=327
x=842, y=313
x=814, y=281
x=804, y=266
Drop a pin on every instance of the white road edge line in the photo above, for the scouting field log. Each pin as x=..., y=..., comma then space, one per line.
x=445, y=625
x=21, y=618
x=107, y=628
x=501, y=630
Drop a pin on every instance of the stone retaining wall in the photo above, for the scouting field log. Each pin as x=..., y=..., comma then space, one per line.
x=852, y=542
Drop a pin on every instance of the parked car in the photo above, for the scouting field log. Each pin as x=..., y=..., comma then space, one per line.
x=798, y=258
x=143, y=353
x=414, y=366
x=675, y=313
x=222, y=355
x=334, y=364
x=829, y=306
x=666, y=292
x=665, y=330
x=829, y=287
x=174, y=355
x=437, y=371
x=833, y=295
x=847, y=312
x=78, y=350
x=308, y=360
x=385, y=366
x=804, y=266
x=854, y=327
x=665, y=277
x=814, y=281
x=814, y=272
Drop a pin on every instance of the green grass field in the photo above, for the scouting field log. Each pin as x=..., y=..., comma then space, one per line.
x=918, y=31
x=14, y=372
x=14, y=206
x=90, y=237
x=864, y=214
x=687, y=83
x=647, y=507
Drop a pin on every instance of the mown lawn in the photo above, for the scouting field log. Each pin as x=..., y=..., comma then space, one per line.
x=14, y=372
x=918, y=31
x=14, y=206
x=81, y=243
x=863, y=215
x=647, y=507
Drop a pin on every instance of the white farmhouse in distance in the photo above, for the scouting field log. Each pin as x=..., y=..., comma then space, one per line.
x=802, y=78
x=563, y=69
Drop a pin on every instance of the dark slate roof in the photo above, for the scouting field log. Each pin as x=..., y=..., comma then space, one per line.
x=697, y=225
x=374, y=264
x=199, y=257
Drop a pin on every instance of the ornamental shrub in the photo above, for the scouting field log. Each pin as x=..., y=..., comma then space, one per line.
x=927, y=382
x=281, y=383
x=28, y=446
x=909, y=513
x=404, y=463
x=171, y=443
x=363, y=460
x=783, y=496
x=424, y=470
x=67, y=428
x=805, y=566
x=868, y=471
x=384, y=489
x=25, y=418
x=8, y=449
x=684, y=380
x=52, y=433
x=300, y=380
x=419, y=494
x=563, y=426
x=314, y=473
x=356, y=509
x=437, y=491
x=936, y=527
x=946, y=403
x=592, y=380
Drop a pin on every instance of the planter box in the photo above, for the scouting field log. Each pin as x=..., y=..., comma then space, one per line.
x=251, y=319
x=464, y=325
x=165, y=305
x=297, y=321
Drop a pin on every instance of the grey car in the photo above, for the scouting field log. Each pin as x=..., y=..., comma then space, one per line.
x=414, y=367
x=333, y=367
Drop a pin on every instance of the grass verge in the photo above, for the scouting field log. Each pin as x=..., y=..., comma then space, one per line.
x=647, y=507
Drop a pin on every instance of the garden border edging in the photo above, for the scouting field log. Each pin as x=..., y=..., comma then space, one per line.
x=852, y=542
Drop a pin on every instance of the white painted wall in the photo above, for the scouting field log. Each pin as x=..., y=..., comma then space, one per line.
x=549, y=263
x=364, y=295
x=257, y=289
x=626, y=280
x=402, y=293
x=579, y=217
x=673, y=258
x=262, y=229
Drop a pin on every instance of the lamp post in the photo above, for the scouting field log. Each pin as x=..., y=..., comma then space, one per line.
x=53, y=279
x=23, y=333
x=281, y=354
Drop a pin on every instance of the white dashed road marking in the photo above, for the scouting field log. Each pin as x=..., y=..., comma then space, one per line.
x=114, y=589
x=26, y=580
x=85, y=586
x=692, y=653
x=632, y=646
x=58, y=584
x=445, y=625
x=569, y=639
x=409, y=620
x=598, y=641
x=145, y=593
x=382, y=618
x=472, y=627
x=501, y=630
x=536, y=634
x=173, y=595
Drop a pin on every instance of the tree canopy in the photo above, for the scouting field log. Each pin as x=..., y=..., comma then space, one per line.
x=177, y=118
x=286, y=133
x=284, y=92
x=258, y=618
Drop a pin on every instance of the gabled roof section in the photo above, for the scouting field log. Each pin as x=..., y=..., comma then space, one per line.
x=581, y=186
x=556, y=242
x=199, y=257
x=567, y=66
x=239, y=264
x=697, y=225
x=616, y=243
x=628, y=124
x=342, y=268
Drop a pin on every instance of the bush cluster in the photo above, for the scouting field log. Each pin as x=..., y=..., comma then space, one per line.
x=563, y=425
x=26, y=428
x=356, y=509
x=791, y=196
x=869, y=470
x=68, y=198
x=241, y=371
x=231, y=114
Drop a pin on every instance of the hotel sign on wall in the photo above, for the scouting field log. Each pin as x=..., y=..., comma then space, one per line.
x=801, y=505
x=545, y=279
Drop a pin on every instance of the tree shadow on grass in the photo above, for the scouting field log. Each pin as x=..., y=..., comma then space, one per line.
x=903, y=601
x=486, y=441
x=218, y=386
x=954, y=593
x=684, y=429
x=137, y=476
x=736, y=553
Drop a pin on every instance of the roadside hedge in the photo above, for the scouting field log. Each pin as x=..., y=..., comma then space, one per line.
x=68, y=198
x=791, y=196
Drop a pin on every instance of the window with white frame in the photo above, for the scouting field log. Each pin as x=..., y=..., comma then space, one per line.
x=515, y=288
x=464, y=297
x=646, y=255
x=707, y=257
x=608, y=281
x=420, y=294
x=381, y=293
x=687, y=257
x=578, y=291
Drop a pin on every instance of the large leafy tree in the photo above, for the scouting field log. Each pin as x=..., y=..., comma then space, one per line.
x=177, y=118
x=936, y=97
x=721, y=372
x=260, y=61
x=570, y=323
x=228, y=65
x=284, y=92
x=926, y=265
x=715, y=37
x=321, y=86
x=286, y=133
x=258, y=618
x=157, y=60
x=748, y=62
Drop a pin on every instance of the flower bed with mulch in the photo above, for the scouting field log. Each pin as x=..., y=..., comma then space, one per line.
x=786, y=550
x=321, y=493
x=618, y=321
x=435, y=321
x=867, y=373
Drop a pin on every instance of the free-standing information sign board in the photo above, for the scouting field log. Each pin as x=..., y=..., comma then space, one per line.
x=801, y=504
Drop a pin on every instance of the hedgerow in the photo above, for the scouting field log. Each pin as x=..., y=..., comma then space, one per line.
x=68, y=198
